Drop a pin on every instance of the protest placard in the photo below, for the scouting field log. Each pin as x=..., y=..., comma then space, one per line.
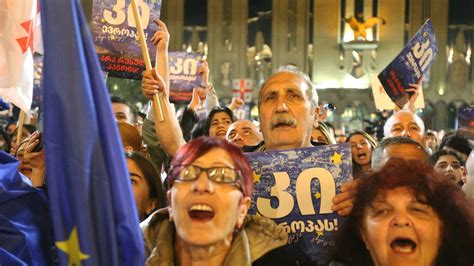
x=37, y=78
x=242, y=112
x=410, y=64
x=116, y=38
x=296, y=187
x=122, y=67
x=466, y=122
x=383, y=101
x=183, y=76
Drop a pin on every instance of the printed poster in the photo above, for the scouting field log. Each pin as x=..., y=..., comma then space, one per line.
x=183, y=76
x=466, y=122
x=383, y=101
x=37, y=79
x=410, y=64
x=116, y=38
x=296, y=187
x=243, y=112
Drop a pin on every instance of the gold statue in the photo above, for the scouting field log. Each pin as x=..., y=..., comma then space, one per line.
x=359, y=25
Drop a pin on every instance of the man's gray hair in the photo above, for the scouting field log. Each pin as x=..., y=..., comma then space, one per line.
x=387, y=129
x=377, y=154
x=311, y=92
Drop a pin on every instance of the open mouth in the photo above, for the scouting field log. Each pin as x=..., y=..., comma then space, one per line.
x=403, y=245
x=362, y=155
x=26, y=169
x=201, y=212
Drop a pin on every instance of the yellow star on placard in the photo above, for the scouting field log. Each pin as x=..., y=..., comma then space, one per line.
x=317, y=195
x=320, y=233
x=256, y=177
x=336, y=158
x=71, y=247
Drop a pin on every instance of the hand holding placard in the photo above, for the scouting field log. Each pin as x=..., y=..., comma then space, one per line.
x=410, y=65
x=146, y=57
x=297, y=189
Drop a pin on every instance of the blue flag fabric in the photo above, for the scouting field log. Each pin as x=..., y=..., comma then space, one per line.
x=25, y=224
x=95, y=218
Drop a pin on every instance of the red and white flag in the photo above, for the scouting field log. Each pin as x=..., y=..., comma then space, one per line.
x=242, y=88
x=19, y=36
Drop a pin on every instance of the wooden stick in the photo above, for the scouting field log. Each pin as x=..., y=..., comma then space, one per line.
x=21, y=121
x=146, y=57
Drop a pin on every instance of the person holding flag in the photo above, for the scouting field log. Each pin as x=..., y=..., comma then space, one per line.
x=19, y=38
x=94, y=216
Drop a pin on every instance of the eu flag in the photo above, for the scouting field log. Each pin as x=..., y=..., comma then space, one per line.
x=25, y=223
x=94, y=216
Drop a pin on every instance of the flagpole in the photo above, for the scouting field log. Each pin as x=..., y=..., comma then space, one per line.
x=21, y=121
x=146, y=57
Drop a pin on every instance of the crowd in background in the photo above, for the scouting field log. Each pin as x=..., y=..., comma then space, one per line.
x=411, y=200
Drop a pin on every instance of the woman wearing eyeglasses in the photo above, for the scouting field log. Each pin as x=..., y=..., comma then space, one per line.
x=206, y=221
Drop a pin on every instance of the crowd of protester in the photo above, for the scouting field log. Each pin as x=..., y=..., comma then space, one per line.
x=411, y=201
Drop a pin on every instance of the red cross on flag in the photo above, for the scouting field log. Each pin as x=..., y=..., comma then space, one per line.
x=242, y=88
x=19, y=36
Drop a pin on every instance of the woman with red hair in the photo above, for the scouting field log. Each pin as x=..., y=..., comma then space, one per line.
x=407, y=214
x=206, y=220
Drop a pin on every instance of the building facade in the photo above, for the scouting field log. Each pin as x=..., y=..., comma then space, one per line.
x=245, y=39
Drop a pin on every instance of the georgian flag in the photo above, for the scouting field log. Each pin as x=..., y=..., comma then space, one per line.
x=19, y=36
x=242, y=88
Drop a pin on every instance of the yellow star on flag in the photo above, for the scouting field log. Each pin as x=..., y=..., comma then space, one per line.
x=317, y=195
x=336, y=158
x=256, y=177
x=320, y=233
x=71, y=247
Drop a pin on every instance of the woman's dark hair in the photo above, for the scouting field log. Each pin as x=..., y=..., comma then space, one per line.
x=28, y=127
x=449, y=202
x=155, y=186
x=198, y=147
x=9, y=123
x=211, y=115
x=198, y=129
x=7, y=139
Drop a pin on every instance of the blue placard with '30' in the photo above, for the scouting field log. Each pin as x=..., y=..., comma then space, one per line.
x=296, y=187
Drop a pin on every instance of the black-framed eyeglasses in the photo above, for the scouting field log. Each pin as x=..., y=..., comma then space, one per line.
x=220, y=174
